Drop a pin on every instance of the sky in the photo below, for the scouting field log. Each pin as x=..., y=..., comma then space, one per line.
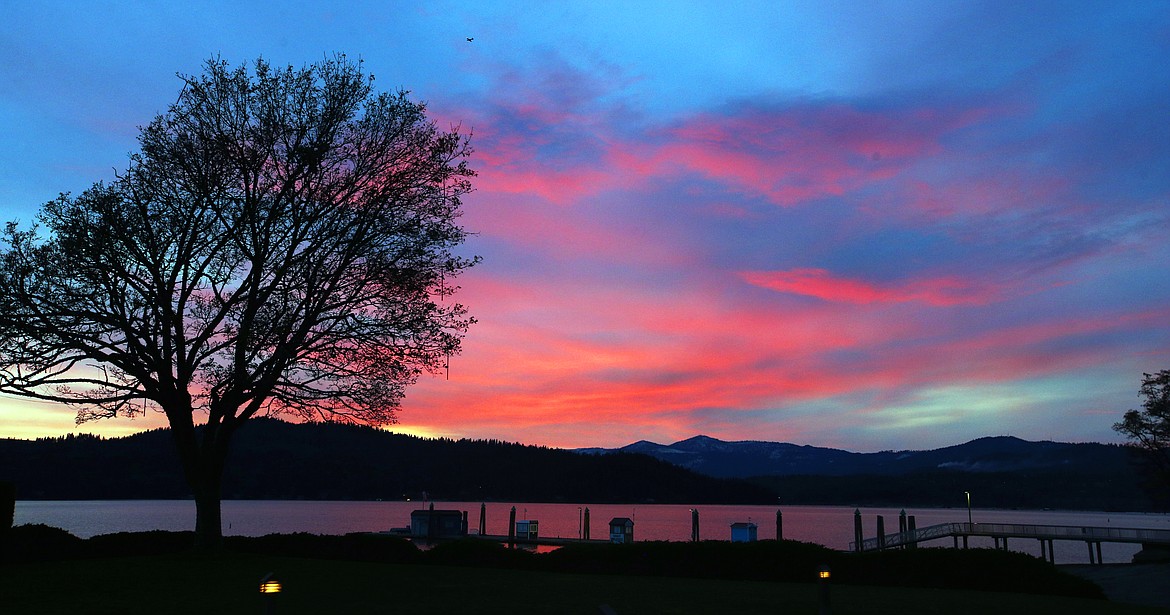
x=867, y=225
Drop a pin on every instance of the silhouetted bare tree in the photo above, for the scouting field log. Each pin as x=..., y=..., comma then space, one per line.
x=1149, y=431
x=282, y=244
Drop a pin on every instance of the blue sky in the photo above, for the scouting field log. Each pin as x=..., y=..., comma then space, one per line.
x=870, y=225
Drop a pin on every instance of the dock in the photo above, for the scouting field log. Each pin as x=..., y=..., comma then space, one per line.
x=1001, y=532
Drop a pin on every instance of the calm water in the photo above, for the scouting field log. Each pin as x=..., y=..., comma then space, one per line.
x=827, y=525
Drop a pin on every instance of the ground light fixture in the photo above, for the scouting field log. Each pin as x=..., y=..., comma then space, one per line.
x=269, y=588
x=823, y=575
x=269, y=585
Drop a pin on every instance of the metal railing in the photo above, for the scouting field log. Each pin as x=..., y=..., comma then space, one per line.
x=898, y=539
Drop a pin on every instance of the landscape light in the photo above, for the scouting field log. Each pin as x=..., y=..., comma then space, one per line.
x=824, y=604
x=269, y=588
x=269, y=584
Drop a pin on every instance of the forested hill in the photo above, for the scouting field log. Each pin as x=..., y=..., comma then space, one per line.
x=276, y=460
x=744, y=459
x=1000, y=472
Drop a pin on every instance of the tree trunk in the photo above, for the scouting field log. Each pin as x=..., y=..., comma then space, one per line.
x=203, y=454
x=208, y=518
x=7, y=514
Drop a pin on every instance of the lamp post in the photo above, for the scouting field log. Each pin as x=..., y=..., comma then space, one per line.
x=269, y=587
x=823, y=575
x=969, y=522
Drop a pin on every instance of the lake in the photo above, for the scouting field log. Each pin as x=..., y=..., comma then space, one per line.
x=831, y=526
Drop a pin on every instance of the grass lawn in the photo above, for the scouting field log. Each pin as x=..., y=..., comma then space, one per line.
x=228, y=583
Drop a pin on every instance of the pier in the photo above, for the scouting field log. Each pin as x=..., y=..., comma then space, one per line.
x=1001, y=532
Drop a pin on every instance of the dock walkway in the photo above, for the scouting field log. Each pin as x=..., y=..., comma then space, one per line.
x=1001, y=532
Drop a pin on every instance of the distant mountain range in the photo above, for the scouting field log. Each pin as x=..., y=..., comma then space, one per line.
x=1001, y=472
x=745, y=459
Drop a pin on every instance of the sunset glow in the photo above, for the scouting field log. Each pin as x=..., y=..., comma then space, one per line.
x=862, y=225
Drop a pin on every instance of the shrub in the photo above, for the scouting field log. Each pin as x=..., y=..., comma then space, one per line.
x=356, y=547
x=40, y=542
x=783, y=560
x=124, y=544
x=981, y=569
x=479, y=552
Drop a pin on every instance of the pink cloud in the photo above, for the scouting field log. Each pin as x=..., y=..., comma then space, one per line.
x=563, y=135
x=942, y=291
x=565, y=234
x=560, y=187
x=795, y=154
x=630, y=358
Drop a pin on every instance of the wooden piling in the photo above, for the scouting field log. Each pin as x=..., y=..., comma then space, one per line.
x=512, y=527
x=858, y=534
x=779, y=525
x=881, y=532
x=1046, y=553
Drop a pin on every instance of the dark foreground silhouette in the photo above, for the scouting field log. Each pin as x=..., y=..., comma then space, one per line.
x=768, y=560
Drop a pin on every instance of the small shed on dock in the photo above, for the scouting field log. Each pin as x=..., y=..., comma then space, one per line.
x=527, y=529
x=743, y=532
x=621, y=530
x=438, y=523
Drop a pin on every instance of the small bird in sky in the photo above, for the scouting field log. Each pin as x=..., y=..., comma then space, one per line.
x=470, y=38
